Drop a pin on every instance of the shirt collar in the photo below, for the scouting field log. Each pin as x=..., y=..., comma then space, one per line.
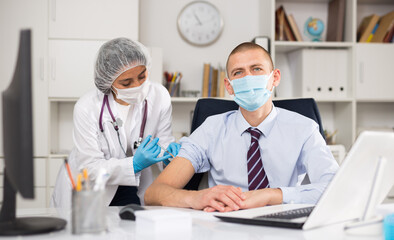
x=265, y=127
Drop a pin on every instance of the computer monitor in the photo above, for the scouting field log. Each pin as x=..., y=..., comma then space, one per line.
x=18, y=149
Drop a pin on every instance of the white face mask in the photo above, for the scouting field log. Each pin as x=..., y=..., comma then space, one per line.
x=133, y=95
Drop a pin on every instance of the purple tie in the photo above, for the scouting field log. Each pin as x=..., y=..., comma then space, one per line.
x=256, y=175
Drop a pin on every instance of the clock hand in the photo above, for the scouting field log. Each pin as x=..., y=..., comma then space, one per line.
x=198, y=20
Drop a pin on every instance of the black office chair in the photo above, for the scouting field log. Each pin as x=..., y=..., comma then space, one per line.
x=208, y=106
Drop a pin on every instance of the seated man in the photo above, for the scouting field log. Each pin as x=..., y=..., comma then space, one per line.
x=255, y=156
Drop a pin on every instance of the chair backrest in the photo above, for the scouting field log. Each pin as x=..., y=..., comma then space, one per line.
x=208, y=106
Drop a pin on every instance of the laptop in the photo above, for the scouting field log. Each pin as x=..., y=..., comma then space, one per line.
x=361, y=183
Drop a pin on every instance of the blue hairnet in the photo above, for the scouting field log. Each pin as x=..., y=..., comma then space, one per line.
x=115, y=57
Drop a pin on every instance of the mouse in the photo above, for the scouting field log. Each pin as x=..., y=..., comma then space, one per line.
x=127, y=212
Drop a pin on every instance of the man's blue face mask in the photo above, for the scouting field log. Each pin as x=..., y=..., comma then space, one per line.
x=251, y=91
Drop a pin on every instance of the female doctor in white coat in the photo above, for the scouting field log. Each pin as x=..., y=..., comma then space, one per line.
x=111, y=121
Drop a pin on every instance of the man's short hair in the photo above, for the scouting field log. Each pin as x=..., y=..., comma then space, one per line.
x=248, y=46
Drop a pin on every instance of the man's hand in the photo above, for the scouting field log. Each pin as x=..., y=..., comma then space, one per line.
x=219, y=198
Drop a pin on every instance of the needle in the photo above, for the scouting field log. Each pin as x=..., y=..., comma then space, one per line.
x=165, y=150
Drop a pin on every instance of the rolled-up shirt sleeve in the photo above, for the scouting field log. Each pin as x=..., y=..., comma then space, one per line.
x=195, y=148
x=320, y=166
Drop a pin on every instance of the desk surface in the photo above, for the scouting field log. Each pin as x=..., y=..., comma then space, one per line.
x=205, y=226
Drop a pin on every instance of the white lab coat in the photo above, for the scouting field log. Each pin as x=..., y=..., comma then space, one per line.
x=91, y=149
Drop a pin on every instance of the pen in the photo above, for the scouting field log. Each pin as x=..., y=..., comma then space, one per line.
x=69, y=173
x=165, y=150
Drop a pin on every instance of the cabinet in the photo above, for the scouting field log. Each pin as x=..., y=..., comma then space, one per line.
x=375, y=73
x=40, y=186
x=14, y=16
x=71, y=67
x=93, y=19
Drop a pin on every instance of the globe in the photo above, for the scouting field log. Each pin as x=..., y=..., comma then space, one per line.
x=314, y=28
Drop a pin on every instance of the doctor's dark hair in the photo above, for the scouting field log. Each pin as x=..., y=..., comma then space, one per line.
x=248, y=46
x=116, y=57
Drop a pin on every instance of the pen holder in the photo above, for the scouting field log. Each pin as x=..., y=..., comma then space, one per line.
x=88, y=212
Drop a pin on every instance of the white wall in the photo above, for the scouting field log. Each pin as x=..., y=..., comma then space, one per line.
x=158, y=28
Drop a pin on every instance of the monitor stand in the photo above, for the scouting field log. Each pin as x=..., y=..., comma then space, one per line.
x=12, y=226
x=370, y=224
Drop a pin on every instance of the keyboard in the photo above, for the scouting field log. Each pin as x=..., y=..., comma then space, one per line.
x=290, y=214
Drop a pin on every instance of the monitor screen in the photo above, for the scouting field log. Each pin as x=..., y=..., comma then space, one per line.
x=17, y=123
x=18, y=149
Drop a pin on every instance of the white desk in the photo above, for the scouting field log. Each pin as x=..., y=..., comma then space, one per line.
x=205, y=227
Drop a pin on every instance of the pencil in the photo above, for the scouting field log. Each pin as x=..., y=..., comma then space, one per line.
x=85, y=174
x=79, y=183
x=69, y=173
x=86, y=178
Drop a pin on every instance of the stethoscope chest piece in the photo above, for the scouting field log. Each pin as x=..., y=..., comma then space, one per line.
x=137, y=143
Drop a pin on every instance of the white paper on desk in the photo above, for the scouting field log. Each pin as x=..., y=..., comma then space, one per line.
x=164, y=223
x=385, y=209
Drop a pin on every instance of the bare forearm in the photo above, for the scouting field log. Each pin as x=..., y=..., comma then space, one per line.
x=263, y=197
x=276, y=196
x=165, y=195
x=167, y=190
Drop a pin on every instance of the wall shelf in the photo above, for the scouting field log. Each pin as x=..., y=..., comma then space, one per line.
x=62, y=99
x=58, y=155
x=375, y=100
x=190, y=99
x=184, y=99
x=286, y=46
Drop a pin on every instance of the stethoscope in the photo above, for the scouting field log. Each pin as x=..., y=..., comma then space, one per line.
x=116, y=123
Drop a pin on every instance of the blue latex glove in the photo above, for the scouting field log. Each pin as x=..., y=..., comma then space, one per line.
x=173, y=148
x=146, y=154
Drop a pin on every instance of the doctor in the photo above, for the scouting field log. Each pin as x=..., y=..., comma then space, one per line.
x=111, y=121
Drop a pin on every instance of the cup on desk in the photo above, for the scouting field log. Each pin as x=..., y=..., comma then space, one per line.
x=88, y=212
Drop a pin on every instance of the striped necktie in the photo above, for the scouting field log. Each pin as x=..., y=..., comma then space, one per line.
x=257, y=178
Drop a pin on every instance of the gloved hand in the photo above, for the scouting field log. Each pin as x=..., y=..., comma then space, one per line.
x=146, y=154
x=173, y=148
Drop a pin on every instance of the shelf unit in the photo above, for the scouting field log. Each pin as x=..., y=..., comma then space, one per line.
x=351, y=114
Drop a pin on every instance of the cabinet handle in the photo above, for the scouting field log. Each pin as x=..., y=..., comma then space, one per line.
x=42, y=69
x=53, y=10
x=361, y=72
x=53, y=69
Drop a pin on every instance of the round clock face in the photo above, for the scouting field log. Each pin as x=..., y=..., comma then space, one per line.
x=200, y=23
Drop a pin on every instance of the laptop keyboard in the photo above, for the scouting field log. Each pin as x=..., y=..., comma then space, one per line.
x=290, y=214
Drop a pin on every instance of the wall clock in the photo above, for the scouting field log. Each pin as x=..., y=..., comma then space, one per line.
x=200, y=23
